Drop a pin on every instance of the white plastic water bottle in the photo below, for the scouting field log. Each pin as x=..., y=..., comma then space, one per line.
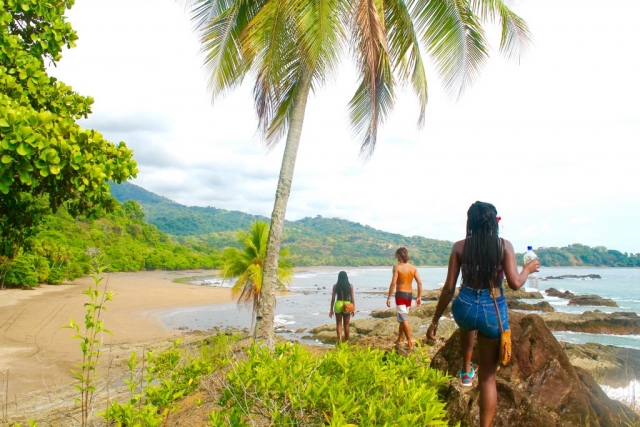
x=528, y=256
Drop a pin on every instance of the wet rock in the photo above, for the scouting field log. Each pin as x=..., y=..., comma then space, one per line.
x=300, y=330
x=383, y=327
x=539, y=387
x=553, y=292
x=595, y=322
x=592, y=300
x=510, y=294
x=609, y=365
x=539, y=306
x=431, y=294
x=424, y=311
x=573, y=276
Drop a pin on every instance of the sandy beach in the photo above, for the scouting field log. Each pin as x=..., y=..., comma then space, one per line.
x=37, y=354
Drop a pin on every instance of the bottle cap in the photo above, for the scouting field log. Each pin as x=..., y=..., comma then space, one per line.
x=529, y=248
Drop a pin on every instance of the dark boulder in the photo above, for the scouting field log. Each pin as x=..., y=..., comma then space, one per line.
x=539, y=387
x=612, y=366
x=539, y=306
x=595, y=322
x=553, y=292
x=595, y=300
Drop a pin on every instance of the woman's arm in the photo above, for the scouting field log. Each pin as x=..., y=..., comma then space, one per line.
x=333, y=300
x=515, y=279
x=449, y=287
x=392, y=286
x=353, y=301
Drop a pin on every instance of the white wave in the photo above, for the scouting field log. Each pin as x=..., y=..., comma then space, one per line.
x=628, y=394
x=305, y=275
x=283, y=319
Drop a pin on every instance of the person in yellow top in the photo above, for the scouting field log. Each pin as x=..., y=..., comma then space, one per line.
x=402, y=284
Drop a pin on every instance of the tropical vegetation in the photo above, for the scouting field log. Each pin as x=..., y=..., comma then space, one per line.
x=291, y=47
x=63, y=247
x=48, y=161
x=245, y=266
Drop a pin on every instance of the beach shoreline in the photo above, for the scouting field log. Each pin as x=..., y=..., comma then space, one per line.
x=36, y=353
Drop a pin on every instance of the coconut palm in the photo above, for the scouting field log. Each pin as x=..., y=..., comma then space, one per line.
x=246, y=266
x=290, y=47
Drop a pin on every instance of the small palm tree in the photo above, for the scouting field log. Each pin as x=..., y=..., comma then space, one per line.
x=246, y=266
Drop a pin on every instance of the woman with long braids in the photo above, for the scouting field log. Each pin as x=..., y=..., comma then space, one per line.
x=343, y=291
x=484, y=259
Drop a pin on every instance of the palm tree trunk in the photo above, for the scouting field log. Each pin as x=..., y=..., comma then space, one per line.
x=264, y=331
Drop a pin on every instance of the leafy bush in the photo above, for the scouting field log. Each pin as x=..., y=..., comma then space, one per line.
x=350, y=385
x=22, y=272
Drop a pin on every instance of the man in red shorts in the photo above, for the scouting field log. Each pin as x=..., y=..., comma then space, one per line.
x=403, y=276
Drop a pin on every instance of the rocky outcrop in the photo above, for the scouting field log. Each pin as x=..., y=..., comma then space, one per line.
x=573, y=276
x=424, y=311
x=539, y=387
x=539, y=306
x=595, y=322
x=594, y=300
x=383, y=327
x=610, y=365
x=510, y=294
x=553, y=292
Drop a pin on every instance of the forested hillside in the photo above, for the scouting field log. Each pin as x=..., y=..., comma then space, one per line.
x=64, y=248
x=312, y=241
x=332, y=241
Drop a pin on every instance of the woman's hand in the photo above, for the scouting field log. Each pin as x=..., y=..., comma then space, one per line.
x=330, y=313
x=532, y=266
x=431, y=332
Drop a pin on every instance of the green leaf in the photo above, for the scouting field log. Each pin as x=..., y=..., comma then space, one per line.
x=54, y=169
x=23, y=149
x=6, y=159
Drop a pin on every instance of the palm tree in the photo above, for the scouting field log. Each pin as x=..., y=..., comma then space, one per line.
x=246, y=266
x=291, y=46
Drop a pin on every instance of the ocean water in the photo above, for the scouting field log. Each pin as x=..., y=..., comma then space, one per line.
x=308, y=304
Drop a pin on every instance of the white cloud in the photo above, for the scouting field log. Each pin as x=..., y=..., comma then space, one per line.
x=548, y=140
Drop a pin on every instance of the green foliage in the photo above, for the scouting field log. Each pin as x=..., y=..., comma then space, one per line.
x=61, y=248
x=246, y=265
x=170, y=375
x=47, y=160
x=89, y=341
x=584, y=256
x=133, y=412
x=22, y=272
x=350, y=385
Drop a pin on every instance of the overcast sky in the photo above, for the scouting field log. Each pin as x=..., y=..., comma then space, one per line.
x=551, y=140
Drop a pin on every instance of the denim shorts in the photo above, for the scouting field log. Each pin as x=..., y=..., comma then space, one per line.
x=473, y=310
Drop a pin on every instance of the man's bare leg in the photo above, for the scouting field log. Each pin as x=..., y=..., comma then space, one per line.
x=400, y=334
x=407, y=333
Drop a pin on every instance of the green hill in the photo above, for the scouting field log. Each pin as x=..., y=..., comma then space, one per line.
x=331, y=241
x=312, y=241
x=179, y=220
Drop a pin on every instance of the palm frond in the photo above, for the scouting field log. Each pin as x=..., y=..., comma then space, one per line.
x=404, y=51
x=375, y=97
x=323, y=36
x=270, y=42
x=515, y=37
x=220, y=25
x=515, y=33
x=455, y=39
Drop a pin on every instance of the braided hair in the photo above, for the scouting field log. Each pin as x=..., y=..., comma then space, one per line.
x=343, y=287
x=482, y=249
